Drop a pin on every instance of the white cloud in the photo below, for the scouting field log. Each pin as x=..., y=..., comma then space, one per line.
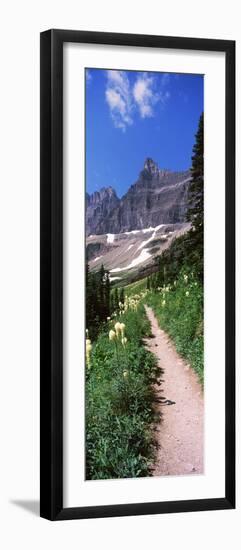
x=115, y=101
x=118, y=97
x=125, y=100
x=144, y=95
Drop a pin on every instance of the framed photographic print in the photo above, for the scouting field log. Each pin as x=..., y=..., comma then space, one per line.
x=137, y=274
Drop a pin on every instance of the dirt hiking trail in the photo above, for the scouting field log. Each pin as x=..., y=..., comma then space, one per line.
x=180, y=433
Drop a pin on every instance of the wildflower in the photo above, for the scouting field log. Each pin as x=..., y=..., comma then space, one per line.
x=122, y=328
x=124, y=341
x=88, y=349
x=118, y=329
x=187, y=293
x=163, y=303
x=112, y=335
x=175, y=282
x=125, y=373
x=185, y=277
x=108, y=318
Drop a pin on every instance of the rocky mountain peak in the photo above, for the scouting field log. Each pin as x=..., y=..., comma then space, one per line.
x=151, y=169
x=105, y=194
x=99, y=205
x=157, y=197
x=151, y=166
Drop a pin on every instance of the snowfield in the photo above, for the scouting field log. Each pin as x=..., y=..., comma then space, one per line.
x=143, y=256
x=97, y=258
x=110, y=238
x=132, y=250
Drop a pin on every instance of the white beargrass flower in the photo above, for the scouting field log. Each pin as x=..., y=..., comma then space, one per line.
x=88, y=349
x=122, y=328
x=124, y=341
x=187, y=293
x=112, y=335
x=118, y=328
x=163, y=303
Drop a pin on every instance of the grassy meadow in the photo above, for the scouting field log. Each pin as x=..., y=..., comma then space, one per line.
x=120, y=397
x=179, y=310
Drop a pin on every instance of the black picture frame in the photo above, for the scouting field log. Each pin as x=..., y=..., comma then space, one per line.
x=51, y=323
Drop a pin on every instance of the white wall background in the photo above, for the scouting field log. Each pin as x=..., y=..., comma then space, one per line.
x=21, y=23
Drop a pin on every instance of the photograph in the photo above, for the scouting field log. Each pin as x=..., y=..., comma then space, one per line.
x=144, y=281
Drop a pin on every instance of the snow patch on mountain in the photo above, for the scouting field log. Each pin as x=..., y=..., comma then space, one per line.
x=143, y=245
x=110, y=238
x=97, y=258
x=143, y=256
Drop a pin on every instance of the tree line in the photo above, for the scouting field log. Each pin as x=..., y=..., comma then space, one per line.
x=100, y=301
x=187, y=250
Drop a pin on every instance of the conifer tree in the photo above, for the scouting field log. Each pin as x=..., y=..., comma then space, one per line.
x=97, y=299
x=107, y=294
x=116, y=299
x=122, y=295
x=196, y=202
x=112, y=303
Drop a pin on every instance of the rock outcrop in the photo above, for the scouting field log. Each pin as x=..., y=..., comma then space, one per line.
x=99, y=206
x=157, y=197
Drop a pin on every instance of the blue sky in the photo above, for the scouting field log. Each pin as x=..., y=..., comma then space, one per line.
x=133, y=115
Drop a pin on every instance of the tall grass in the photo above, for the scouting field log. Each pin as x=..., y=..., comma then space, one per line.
x=120, y=402
x=179, y=309
x=135, y=288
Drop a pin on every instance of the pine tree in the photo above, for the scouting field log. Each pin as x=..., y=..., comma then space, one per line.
x=122, y=295
x=98, y=299
x=112, y=303
x=100, y=293
x=116, y=299
x=107, y=294
x=196, y=202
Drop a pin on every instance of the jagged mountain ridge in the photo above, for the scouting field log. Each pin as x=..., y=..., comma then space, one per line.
x=157, y=197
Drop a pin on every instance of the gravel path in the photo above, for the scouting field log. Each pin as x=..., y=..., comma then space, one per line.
x=180, y=434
